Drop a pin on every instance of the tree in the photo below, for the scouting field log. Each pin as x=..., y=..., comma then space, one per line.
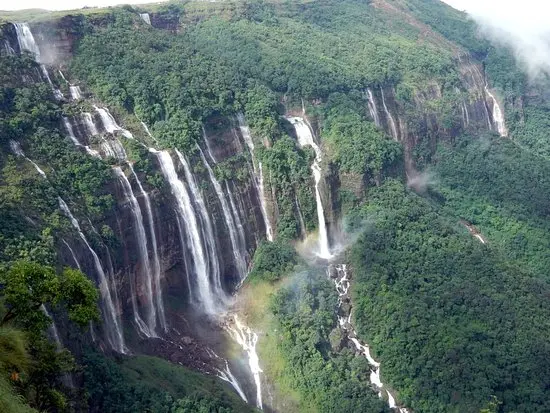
x=27, y=286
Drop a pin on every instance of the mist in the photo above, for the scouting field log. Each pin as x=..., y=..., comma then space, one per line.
x=521, y=25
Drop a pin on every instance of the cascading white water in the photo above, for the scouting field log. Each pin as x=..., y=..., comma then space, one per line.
x=247, y=339
x=228, y=376
x=206, y=298
x=207, y=229
x=69, y=127
x=16, y=148
x=26, y=41
x=114, y=149
x=148, y=327
x=389, y=116
x=112, y=321
x=109, y=122
x=259, y=181
x=498, y=115
x=305, y=138
x=146, y=18
x=90, y=125
x=236, y=231
x=342, y=284
x=52, y=328
x=72, y=254
x=373, y=110
x=8, y=48
x=75, y=91
x=155, y=255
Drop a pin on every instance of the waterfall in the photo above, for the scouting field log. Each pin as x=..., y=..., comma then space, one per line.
x=114, y=149
x=342, y=283
x=90, y=125
x=227, y=376
x=74, y=139
x=109, y=123
x=147, y=328
x=26, y=41
x=263, y=203
x=16, y=148
x=75, y=91
x=373, y=110
x=389, y=116
x=73, y=255
x=305, y=138
x=259, y=175
x=112, y=321
x=8, y=48
x=145, y=17
x=232, y=221
x=207, y=298
x=247, y=339
x=207, y=230
x=498, y=115
x=156, y=259
x=52, y=328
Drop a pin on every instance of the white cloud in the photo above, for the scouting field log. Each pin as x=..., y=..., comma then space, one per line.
x=67, y=4
x=523, y=25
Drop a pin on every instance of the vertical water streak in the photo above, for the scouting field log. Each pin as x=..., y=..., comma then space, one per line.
x=228, y=376
x=113, y=324
x=90, y=125
x=248, y=339
x=236, y=233
x=147, y=328
x=109, y=122
x=74, y=139
x=372, y=108
x=75, y=91
x=16, y=148
x=207, y=299
x=73, y=255
x=156, y=260
x=259, y=175
x=389, y=116
x=498, y=115
x=263, y=203
x=305, y=138
x=146, y=18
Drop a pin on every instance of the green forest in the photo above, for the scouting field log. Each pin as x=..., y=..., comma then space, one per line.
x=450, y=277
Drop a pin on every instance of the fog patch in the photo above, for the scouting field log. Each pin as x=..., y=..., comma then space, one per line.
x=522, y=26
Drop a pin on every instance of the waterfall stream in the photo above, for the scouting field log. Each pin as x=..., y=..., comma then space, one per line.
x=373, y=110
x=232, y=221
x=148, y=327
x=258, y=174
x=112, y=320
x=498, y=115
x=248, y=340
x=389, y=116
x=305, y=138
x=340, y=275
x=205, y=296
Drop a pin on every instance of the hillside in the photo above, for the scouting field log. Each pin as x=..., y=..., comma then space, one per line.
x=302, y=206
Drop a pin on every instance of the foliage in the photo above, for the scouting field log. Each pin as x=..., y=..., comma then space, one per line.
x=327, y=380
x=452, y=321
x=151, y=384
x=27, y=286
x=272, y=260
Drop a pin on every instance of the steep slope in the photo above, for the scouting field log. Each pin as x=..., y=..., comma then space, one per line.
x=163, y=149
